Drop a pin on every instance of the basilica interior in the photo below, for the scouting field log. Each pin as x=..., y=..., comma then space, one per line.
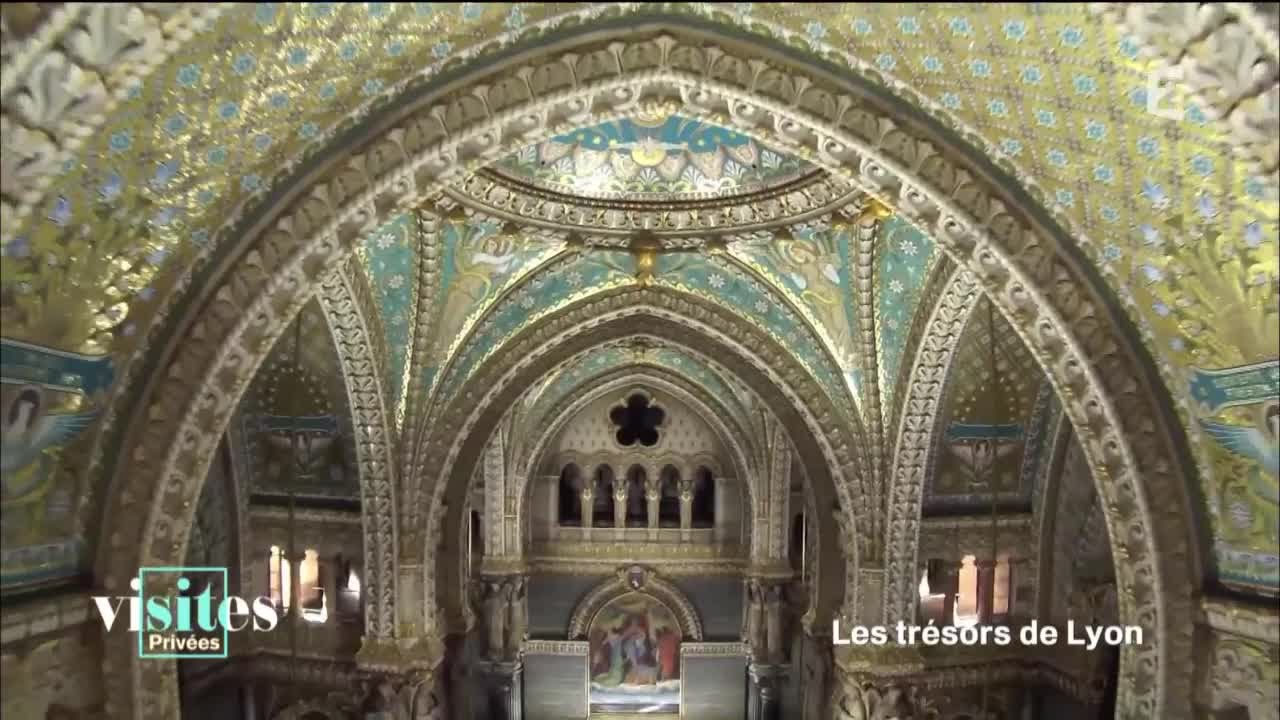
x=544, y=361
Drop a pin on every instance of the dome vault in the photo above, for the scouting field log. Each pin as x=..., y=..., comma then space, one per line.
x=805, y=232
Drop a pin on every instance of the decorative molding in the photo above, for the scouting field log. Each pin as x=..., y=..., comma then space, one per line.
x=1246, y=621
x=501, y=196
x=39, y=617
x=714, y=649
x=375, y=455
x=572, y=648
x=642, y=580
x=917, y=426
x=591, y=567
x=310, y=516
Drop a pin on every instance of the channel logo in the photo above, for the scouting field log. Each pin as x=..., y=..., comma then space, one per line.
x=192, y=617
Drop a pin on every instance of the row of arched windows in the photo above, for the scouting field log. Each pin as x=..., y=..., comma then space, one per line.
x=703, y=506
x=312, y=596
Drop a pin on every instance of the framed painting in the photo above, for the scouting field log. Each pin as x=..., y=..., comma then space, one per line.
x=634, y=657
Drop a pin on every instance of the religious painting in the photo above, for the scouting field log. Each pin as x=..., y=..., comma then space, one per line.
x=48, y=400
x=1239, y=413
x=634, y=661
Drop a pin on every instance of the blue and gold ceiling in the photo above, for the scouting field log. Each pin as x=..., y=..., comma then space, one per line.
x=663, y=157
x=105, y=256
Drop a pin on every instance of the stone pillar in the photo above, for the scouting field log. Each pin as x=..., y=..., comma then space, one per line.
x=764, y=619
x=588, y=508
x=686, y=508
x=516, y=592
x=494, y=594
x=295, y=585
x=653, y=493
x=619, y=507
x=986, y=590
x=764, y=699
x=502, y=689
x=948, y=583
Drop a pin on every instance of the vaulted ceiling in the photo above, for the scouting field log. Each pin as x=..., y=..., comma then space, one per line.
x=115, y=220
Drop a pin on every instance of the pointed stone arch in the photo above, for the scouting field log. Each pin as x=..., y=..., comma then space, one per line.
x=976, y=213
x=636, y=579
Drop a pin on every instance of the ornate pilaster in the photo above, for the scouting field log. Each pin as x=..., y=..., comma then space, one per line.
x=765, y=631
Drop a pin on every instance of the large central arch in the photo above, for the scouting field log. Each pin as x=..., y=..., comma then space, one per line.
x=669, y=315
x=975, y=212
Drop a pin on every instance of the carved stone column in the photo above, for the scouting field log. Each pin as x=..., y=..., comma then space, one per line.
x=619, y=507
x=986, y=590
x=493, y=596
x=295, y=585
x=686, y=508
x=502, y=689
x=588, y=508
x=653, y=493
x=764, y=633
x=764, y=694
x=516, y=590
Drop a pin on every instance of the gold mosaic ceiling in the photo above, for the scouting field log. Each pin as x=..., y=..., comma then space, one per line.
x=117, y=231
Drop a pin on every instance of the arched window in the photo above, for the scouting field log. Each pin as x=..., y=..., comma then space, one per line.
x=571, y=496
x=704, y=499
x=669, y=503
x=602, y=505
x=637, y=503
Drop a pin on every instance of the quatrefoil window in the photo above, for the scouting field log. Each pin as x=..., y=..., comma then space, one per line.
x=637, y=421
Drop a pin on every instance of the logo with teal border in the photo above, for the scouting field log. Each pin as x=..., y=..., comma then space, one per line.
x=184, y=621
